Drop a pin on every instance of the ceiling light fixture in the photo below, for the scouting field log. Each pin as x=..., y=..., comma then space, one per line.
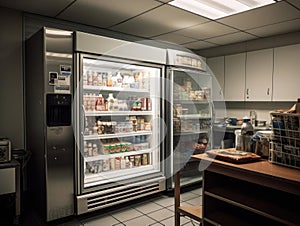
x=216, y=9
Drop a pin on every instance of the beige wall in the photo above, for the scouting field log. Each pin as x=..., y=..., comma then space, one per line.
x=11, y=77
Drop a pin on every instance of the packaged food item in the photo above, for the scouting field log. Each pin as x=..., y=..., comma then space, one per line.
x=106, y=149
x=85, y=77
x=106, y=165
x=137, y=160
x=131, y=161
x=100, y=79
x=123, y=163
x=95, y=150
x=104, y=79
x=149, y=104
x=145, y=159
x=112, y=164
x=119, y=80
x=117, y=163
x=89, y=78
x=95, y=78
x=110, y=102
x=90, y=149
x=109, y=80
x=147, y=126
x=127, y=162
x=100, y=103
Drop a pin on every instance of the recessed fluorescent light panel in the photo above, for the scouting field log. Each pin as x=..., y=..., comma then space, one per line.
x=216, y=9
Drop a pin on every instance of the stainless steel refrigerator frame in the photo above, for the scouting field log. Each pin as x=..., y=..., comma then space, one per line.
x=49, y=132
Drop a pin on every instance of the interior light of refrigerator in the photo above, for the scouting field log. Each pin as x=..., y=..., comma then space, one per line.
x=58, y=32
x=216, y=9
x=61, y=55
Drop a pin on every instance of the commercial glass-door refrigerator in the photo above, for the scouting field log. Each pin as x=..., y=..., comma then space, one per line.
x=189, y=115
x=118, y=128
x=96, y=111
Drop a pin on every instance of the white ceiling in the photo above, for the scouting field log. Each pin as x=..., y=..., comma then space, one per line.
x=155, y=19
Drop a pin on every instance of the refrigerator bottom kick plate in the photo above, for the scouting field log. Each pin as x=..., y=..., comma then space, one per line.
x=99, y=200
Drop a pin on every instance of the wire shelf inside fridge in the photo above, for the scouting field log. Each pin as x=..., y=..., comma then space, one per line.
x=120, y=154
x=116, y=135
x=117, y=113
x=114, y=89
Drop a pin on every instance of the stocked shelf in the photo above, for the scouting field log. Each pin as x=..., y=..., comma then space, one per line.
x=120, y=154
x=114, y=89
x=185, y=133
x=116, y=135
x=191, y=102
x=193, y=116
x=117, y=113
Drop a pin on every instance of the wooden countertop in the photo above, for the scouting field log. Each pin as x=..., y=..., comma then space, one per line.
x=260, y=172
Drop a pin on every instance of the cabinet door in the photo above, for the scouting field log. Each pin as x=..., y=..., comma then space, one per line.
x=286, y=73
x=259, y=72
x=235, y=77
x=216, y=65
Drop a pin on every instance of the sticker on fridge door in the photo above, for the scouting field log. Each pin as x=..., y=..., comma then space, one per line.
x=53, y=78
x=65, y=70
x=63, y=80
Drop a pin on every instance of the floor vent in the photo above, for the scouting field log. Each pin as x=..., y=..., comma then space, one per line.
x=110, y=197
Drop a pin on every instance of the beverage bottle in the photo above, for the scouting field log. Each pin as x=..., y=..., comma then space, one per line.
x=85, y=77
x=119, y=80
x=95, y=78
x=109, y=79
x=114, y=80
x=89, y=78
x=131, y=81
x=110, y=102
x=100, y=103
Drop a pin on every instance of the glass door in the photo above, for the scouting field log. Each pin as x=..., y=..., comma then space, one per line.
x=191, y=117
x=119, y=120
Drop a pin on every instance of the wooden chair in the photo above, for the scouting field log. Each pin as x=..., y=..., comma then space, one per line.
x=194, y=212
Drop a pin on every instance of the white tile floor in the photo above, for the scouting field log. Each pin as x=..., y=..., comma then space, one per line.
x=156, y=211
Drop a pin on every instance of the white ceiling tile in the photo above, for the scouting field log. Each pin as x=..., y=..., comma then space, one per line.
x=199, y=45
x=164, y=1
x=159, y=21
x=206, y=30
x=45, y=7
x=174, y=38
x=231, y=38
x=275, y=13
x=106, y=13
x=294, y=3
x=276, y=29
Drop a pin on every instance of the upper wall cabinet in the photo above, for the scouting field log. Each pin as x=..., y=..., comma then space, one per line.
x=234, y=88
x=216, y=65
x=259, y=71
x=286, y=80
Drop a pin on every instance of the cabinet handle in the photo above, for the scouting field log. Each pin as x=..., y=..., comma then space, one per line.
x=268, y=91
x=247, y=91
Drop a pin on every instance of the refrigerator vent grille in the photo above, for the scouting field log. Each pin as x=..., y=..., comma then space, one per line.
x=126, y=194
